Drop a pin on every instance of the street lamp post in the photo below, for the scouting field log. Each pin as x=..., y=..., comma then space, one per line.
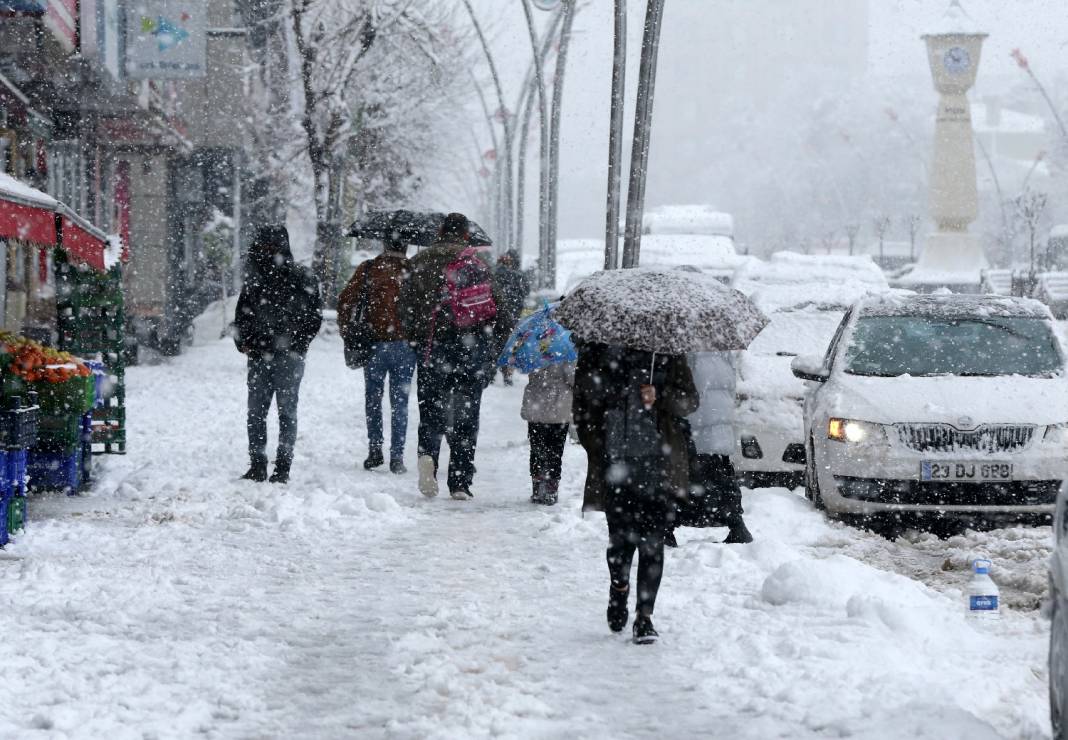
x=543, y=115
x=615, y=137
x=643, y=115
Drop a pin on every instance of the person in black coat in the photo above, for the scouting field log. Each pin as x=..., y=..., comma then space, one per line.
x=513, y=286
x=279, y=312
x=628, y=409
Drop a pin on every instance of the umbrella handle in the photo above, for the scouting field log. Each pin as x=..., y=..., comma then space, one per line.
x=652, y=364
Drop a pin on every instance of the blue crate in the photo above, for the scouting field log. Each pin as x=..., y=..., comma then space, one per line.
x=14, y=472
x=101, y=380
x=55, y=471
x=5, y=501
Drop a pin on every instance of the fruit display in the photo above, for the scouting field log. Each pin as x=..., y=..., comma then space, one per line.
x=36, y=363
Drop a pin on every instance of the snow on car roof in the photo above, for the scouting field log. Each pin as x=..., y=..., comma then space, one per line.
x=790, y=281
x=954, y=306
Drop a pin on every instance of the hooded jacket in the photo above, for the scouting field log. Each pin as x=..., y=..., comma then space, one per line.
x=280, y=308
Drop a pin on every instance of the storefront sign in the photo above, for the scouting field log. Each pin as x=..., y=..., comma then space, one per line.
x=166, y=39
x=112, y=41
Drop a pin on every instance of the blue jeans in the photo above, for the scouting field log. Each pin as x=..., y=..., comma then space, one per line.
x=278, y=377
x=397, y=360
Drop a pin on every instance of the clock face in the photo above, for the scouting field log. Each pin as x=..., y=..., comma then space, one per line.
x=956, y=60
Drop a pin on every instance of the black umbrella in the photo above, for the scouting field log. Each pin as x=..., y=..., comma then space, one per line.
x=418, y=228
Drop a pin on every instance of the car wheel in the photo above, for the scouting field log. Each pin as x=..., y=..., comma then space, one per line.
x=812, y=482
x=1058, y=669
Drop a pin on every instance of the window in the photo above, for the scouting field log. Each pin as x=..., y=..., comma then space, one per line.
x=888, y=346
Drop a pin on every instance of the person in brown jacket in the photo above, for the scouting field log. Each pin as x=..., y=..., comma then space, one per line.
x=628, y=410
x=372, y=296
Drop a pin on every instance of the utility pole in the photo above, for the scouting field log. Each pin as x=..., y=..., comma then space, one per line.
x=615, y=138
x=504, y=227
x=643, y=116
x=543, y=113
x=554, y=140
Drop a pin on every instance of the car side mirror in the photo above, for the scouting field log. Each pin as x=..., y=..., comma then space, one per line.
x=810, y=367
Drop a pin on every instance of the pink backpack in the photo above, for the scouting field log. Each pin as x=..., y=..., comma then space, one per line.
x=469, y=288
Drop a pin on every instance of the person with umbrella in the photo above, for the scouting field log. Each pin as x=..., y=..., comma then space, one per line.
x=633, y=388
x=541, y=347
x=370, y=299
x=448, y=309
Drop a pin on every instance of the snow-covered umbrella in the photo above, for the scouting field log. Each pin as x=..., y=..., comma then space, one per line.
x=413, y=227
x=661, y=310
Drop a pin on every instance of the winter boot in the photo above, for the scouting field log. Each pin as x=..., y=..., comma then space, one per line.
x=281, y=469
x=374, y=458
x=739, y=533
x=550, y=492
x=396, y=466
x=537, y=485
x=257, y=472
x=461, y=494
x=428, y=481
x=644, y=633
x=617, y=607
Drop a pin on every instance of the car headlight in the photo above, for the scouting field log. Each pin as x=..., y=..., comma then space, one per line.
x=855, y=432
x=1057, y=434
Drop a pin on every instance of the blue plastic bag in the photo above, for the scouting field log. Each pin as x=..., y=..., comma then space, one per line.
x=538, y=341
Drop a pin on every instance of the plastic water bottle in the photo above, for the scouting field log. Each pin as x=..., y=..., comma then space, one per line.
x=983, y=594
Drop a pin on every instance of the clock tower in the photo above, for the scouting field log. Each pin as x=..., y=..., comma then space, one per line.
x=953, y=256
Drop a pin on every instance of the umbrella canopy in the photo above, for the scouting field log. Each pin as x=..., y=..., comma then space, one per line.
x=418, y=228
x=661, y=310
x=537, y=342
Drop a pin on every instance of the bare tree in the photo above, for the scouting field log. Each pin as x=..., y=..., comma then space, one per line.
x=827, y=241
x=912, y=223
x=1030, y=207
x=852, y=230
x=360, y=116
x=881, y=225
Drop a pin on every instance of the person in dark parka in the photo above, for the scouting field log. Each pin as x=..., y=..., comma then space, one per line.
x=513, y=286
x=628, y=408
x=279, y=312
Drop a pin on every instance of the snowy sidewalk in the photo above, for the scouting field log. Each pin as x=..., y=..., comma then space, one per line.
x=174, y=600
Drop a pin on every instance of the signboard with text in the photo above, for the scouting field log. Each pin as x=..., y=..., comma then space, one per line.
x=166, y=39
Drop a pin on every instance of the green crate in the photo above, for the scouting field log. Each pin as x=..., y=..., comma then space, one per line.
x=16, y=514
x=74, y=397
x=59, y=433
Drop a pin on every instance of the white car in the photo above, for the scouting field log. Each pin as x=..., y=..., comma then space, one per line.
x=768, y=422
x=947, y=405
x=1058, y=635
x=805, y=297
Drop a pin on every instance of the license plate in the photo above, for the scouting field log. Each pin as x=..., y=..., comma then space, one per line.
x=978, y=472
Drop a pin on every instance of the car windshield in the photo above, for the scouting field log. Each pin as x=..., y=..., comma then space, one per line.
x=889, y=346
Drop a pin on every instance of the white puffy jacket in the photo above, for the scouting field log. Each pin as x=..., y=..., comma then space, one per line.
x=713, y=422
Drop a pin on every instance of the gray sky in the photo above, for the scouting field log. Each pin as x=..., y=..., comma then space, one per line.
x=1038, y=27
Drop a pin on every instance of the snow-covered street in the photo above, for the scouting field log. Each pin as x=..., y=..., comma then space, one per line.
x=173, y=600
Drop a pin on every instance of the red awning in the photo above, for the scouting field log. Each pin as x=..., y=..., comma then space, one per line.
x=27, y=223
x=82, y=243
x=37, y=218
